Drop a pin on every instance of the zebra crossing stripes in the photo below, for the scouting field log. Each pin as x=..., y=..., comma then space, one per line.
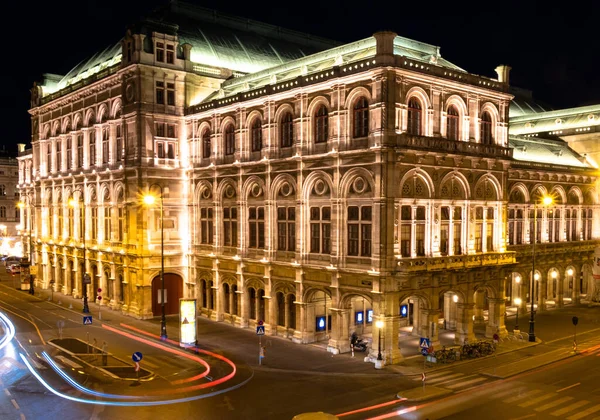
x=466, y=383
x=521, y=396
x=584, y=413
x=536, y=400
x=452, y=380
x=553, y=404
x=568, y=408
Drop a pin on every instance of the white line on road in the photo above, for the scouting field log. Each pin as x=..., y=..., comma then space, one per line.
x=571, y=386
x=7, y=392
x=15, y=404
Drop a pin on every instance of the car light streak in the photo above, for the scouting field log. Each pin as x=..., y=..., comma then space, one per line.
x=395, y=413
x=7, y=338
x=373, y=407
x=128, y=403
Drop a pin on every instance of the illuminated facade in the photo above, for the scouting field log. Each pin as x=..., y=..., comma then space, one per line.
x=318, y=192
x=9, y=197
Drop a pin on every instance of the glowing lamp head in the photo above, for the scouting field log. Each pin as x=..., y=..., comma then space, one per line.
x=518, y=279
x=517, y=301
x=149, y=199
x=72, y=202
x=455, y=298
x=547, y=200
x=570, y=271
x=379, y=324
x=536, y=276
x=20, y=204
x=554, y=274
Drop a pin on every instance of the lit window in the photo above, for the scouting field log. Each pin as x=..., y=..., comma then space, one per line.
x=452, y=131
x=359, y=231
x=361, y=118
x=321, y=125
x=287, y=130
x=170, y=54
x=414, y=117
x=256, y=135
x=320, y=230
x=160, y=52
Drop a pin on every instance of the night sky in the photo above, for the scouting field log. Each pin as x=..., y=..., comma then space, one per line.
x=553, y=50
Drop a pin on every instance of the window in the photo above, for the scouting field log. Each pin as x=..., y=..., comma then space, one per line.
x=49, y=156
x=489, y=230
x=229, y=140
x=573, y=236
x=170, y=54
x=107, y=221
x=479, y=229
x=160, y=93
x=170, y=93
x=94, y=223
x=321, y=125
x=206, y=225
x=405, y=230
x=171, y=132
x=206, y=149
x=3, y=190
x=445, y=231
x=457, y=230
x=120, y=153
x=230, y=226
x=286, y=228
x=515, y=227
x=256, y=135
x=58, y=156
x=320, y=230
x=165, y=149
x=452, y=131
x=160, y=52
x=556, y=225
x=79, y=150
x=160, y=130
x=420, y=231
x=287, y=130
x=2, y=212
x=69, y=152
x=93, y=148
x=256, y=222
x=105, y=138
x=486, y=128
x=121, y=221
x=361, y=118
x=359, y=231
x=414, y=117
x=587, y=224
x=170, y=150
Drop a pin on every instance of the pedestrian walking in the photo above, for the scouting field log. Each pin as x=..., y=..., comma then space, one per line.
x=263, y=351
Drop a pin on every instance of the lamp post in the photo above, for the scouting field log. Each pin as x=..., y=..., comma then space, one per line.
x=379, y=325
x=150, y=199
x=518, y=303
x=546, y=201
x=85, y=278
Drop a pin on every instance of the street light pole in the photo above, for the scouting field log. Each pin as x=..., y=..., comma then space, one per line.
x=518, y=303
x=85, y=280
x=532, y=284
x=150, y=199
x=379, y=325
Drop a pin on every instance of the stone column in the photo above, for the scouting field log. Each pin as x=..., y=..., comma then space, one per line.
x=464, y=327
x=576, y=288
x=495, y=323
x=429, y=327
x=479, y=306
x=391, y=328
x=339, y=341
x=541, y=292
x=560, y=293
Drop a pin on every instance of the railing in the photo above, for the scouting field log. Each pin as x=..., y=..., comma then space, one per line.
x=456, y=261
x=453, y=146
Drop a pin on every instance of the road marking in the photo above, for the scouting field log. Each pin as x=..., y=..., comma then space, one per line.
x=7, y=392
x=15, y=404
x=525, y=395
x=569, y=408
x=448, y=378
x=22, y=416
x=69, y=362
x=536, y=400
x=466, y=383
x=524, y=417
x=436, y=375
x=585, y=413
x=553, y=404
x=571, y=386
x=510, y=391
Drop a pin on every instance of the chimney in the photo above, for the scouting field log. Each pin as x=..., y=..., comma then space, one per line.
x=385, y=46
x=187, y=51
x=503, y=72
x=21, y=147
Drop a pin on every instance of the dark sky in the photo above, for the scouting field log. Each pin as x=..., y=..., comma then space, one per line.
x=553, y=50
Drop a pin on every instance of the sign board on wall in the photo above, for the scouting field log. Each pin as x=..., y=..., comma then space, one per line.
x=187, y=321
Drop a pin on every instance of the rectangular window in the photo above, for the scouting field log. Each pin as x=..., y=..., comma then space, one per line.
x=69, y=152
x=256, y=224
x=445, y=231
x=170, y=93
x=160, y=93
x=359, y=231
x=49, y=157
x=160, y=52
x=160, y=130
x=171, y=132
x=405, y=231
x=170, y=54
x=105, y=142
x=420, y=232
x=479, y=229
x=489, y=230
x=230, y=226
x=574, y=226
x=170, y=150
x=120, y=152
x=58, y=156
x=286, y=228
x=160, y=150
x=107, y=223
x=94, y=223
x=320, y=230
x=206, y=225
x=121, y=221
x=92, y=148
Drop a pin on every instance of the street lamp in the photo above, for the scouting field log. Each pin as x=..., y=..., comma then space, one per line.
x=518, y=303
x=379, y=325
x=149, y=200
x=85, y=278
x=546, y=201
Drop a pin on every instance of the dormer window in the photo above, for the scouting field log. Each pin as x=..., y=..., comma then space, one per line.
x=160, y=52
x=170, y=54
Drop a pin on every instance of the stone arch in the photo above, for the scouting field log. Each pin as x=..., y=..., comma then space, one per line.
x=222, y=187
x=200, y=193
x=77, y=121
x=558, y=192
x=102, y=113
x=66, y=125
x=416, y=173
x=115, y=111
x=354, y=95
x=519, y=187
x=225, y=122
x=281, y=110
x=250, y=188
x=590, y=196
x=422, y=97
x=89, y=118
x=485, y=193
x=537, y=190
x=55, y=128
x=310, y=181
x=574, y=192
x=314, y=105
x=105, y=193
x=460, y=179
x=280, y=181
x=251, y=117
x=494, y=113
x=202, y=127
x=463, y=116
x=351, y=176
x=118, y=191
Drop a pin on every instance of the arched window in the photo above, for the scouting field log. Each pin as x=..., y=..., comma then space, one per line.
x=452, y=131
x=256, y=135
x=2, y=189
x=321, y=125
x=361, y=118
x=414, y=117
x=206, y=144
x=287, y=130
x=229, y=140
x=2, y=212
x=486, y=128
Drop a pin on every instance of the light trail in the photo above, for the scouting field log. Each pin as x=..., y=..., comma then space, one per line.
x=6, y=338
x=127, y=403
x=372, y=407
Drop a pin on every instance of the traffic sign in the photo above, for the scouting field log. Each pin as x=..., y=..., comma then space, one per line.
x=87, y=279
x=99, y=290
x=424, y=352
x=99, y=297
x=137, y=356
x=424, y=343
x=423, y=377
x=260, y=330
x=575, y=320
x=137, y=366
x=87, y=320
x=260, y=322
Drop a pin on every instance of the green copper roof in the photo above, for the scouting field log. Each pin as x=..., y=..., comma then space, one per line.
x=540, y=150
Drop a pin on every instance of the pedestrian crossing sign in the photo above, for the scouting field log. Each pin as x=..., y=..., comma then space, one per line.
x=260, y=330
x=87, y=320
x=424, y=343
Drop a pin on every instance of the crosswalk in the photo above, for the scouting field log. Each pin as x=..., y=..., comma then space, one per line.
x=543, y=401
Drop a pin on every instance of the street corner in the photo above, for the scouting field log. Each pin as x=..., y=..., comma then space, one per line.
x=423, y=393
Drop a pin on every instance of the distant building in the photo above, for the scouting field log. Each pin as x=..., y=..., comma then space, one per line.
x=316, y=186
x=9, y=197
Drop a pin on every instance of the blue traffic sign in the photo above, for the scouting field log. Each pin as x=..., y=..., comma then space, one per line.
x=87, y=320
x=137, y=356
x=260, y=330
x=424, y=343
x=424, y=352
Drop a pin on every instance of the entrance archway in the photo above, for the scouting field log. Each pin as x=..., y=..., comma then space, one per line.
x=173, y=292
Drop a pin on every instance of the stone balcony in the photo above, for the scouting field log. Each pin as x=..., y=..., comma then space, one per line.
x=439, y=144
x=456, y=262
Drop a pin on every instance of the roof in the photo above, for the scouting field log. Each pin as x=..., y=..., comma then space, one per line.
x=580, y=118
x=540, y=150
x=524, y=104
